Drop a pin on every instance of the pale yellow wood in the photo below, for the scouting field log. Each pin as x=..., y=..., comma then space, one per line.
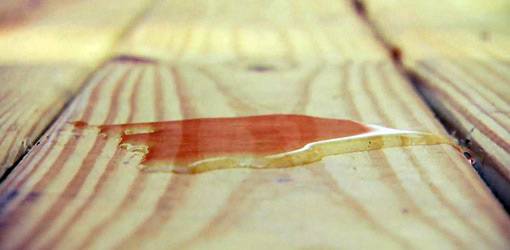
x=461, y=51
x=30, y=98
x=78, y=190
x=81, y=31
x=444, y=29
x=47, y=48
x=226, y=30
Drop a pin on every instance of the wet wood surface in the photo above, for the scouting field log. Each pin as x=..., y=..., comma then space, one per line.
x=77, y=190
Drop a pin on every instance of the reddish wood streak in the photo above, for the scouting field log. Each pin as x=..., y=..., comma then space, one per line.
x=238, y=200
x=159, y=97
x=7, y=109
x=462, y=110
x=187, y=108
x=133, y=194
x=176, y=190
x=132, y=101
x=379, y=157
x=435, y=190
x=57, y=166
x=486, y=84
x=304, y=99
x=465, y=95
x=174, y=196
x=10, y=124
x=114, y=106
x=92, y=98
x=402, y=102
x=111, y=166
x=73, y=187
x=494, y=72
x=235, y=207
x=442, y=198
x=340, y=197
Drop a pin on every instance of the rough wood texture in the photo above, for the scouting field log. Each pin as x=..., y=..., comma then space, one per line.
x=30, y=98
x=77, y=190
x=47, y=49
x=463, y=62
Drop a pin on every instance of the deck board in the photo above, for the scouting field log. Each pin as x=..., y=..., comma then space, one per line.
x=255, y=30
x=463, y=63
x=48, y=48
x=78, y=190
x=31, y=97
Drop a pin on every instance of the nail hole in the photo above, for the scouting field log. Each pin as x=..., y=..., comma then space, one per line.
x=485, y=36
x=261, y=67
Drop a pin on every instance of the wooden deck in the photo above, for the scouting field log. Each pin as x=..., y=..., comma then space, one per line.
x=463, y=66
x=147, y=61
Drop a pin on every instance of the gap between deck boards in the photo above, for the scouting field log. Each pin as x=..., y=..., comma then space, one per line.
x=498, y=185
x=482, y=167
x=107, y=57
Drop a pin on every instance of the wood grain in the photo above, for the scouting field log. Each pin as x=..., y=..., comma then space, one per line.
x=47, y=48
x=30, y=98
x=259, y=31
x=463, y=62
x=78, y=190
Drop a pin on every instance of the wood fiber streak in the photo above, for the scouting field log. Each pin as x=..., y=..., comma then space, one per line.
x=462, y=64
x=28, y=109
x=78, y=177
x=48, y=48
x=77, y=189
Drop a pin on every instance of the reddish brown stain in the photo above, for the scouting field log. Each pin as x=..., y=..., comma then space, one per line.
x=80, y=124
x=266, y=141
x=186, y=141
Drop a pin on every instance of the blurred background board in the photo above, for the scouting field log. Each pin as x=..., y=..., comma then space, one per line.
x=193, y=59
x=460, y=50
x=264, y=30
x=80, y=31
x=425, y=30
